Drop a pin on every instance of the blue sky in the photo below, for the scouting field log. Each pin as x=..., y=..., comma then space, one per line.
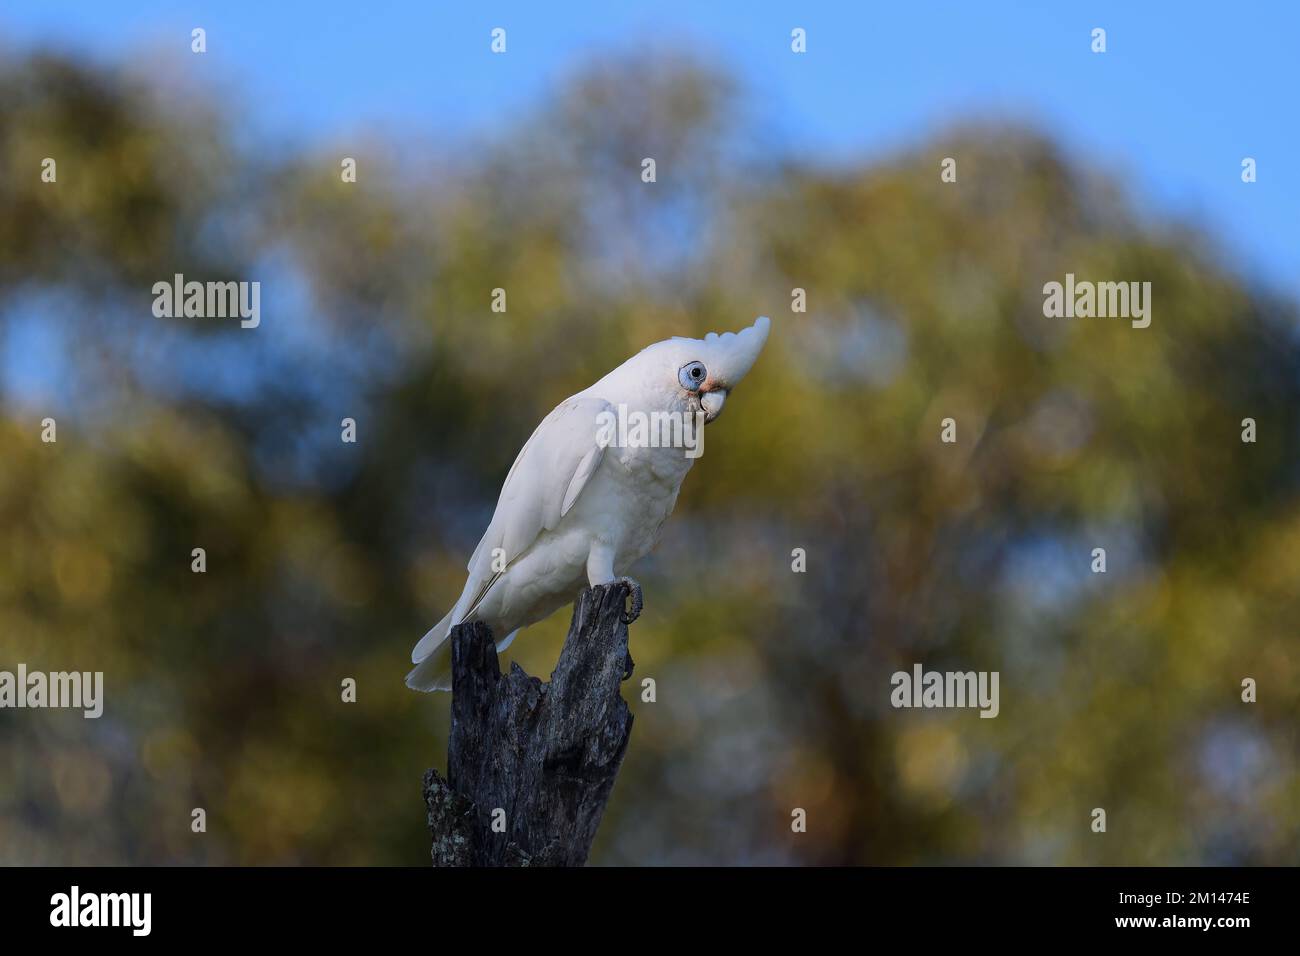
x=1185, y=91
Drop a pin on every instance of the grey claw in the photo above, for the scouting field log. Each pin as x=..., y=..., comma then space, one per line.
x=634, y=591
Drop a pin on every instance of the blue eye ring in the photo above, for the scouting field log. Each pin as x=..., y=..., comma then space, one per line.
x=692, y=376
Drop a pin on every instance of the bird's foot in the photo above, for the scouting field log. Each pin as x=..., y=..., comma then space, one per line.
x=634, y=592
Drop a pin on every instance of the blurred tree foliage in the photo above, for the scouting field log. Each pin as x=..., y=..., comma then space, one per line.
x=327, y=560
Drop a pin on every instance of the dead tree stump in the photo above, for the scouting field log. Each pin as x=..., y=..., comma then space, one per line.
x=545, y=754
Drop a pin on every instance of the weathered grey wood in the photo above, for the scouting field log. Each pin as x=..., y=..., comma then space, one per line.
x=546, y=754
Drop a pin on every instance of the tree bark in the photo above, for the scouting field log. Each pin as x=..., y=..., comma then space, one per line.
x=544, y=754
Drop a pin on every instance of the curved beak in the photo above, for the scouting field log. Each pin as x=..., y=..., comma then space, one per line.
x=712, y=402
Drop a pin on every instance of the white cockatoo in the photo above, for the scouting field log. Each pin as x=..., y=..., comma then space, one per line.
x=589, y=492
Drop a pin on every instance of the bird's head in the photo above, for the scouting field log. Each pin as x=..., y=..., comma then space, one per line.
x=702, y=372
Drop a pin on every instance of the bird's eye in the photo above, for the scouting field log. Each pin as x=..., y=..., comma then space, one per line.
x=692, y=376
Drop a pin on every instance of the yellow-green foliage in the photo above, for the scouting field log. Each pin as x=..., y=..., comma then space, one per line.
x=328, y=560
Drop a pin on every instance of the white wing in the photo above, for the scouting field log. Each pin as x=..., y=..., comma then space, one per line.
x=543, y=484
x=547, y=477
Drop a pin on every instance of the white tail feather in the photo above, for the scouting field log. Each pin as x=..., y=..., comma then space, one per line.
x=435, y=636
x=432, y=670
x=432, y=673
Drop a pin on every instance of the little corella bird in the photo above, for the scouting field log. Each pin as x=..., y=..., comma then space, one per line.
x=587, y=495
